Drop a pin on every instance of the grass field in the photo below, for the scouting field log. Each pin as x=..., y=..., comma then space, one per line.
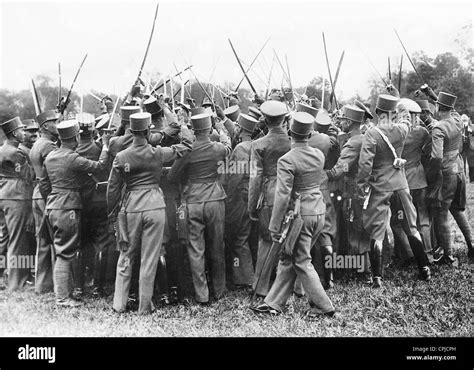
x=404, y=307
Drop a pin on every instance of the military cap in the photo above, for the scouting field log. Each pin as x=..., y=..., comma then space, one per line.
x=11, y=125
x=127, y=110
x=140, y=121
x=201, y=121
x=30, y=124
x=206, y=102
x=247, y=122
x=424, y=105
x=49, y=115
x=410, y=105
x=273, y=110
x=186, y=107
x=302, y=123
x=322, y=118
x=387, y=103
x=300, y=107
x=365, y=108
x=446, y=99
x=106, y=98
x=152, y=106
x=232, y=112
x=85, y=120
x=68, y=129
x=254, y=112
x=197, y=110
x=353, y=113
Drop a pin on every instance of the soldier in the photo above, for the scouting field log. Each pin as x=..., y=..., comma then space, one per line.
x=59, y=184
x=31, y=135
x=417, y=142
x=46, y=143
x=299, y=171
x=264, y=154
x=141, y=210
x=96, y=234
x=16, y=179
x=446, y=170
x=381, y=175
x=238, y=224
x=205, y=200
x=346, y=167
x=325, y=143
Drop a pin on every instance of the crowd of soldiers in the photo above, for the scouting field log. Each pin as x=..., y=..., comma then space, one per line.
x=137, y=195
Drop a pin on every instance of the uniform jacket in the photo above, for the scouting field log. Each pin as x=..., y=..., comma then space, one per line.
x=300, y=170
x=16, y=173
x=264, y=155
x=324, y=143
x=417, y=142
x=45, y=144
x=139, y=168
x=348, y=163
x=60, y=181
x=90, y=149
x=376, y=158
x=199, y=170
x=446, y=145
x=238, y=182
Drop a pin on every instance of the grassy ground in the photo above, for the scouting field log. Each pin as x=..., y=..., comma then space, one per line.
x=404, y=307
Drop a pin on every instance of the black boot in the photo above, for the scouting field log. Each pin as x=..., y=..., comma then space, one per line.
x=100, y=271
x=328, y=271
x=376, y=262
x=162, y=279
x=78, y=275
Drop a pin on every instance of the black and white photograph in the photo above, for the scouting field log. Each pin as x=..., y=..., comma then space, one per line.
x=237, y=169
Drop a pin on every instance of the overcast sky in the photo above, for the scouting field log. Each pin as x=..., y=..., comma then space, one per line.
x=35, y=36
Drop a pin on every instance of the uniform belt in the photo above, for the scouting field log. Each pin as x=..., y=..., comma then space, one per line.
x=203, y=181
x=143, y=187
x=306, y=191
x=61, y=189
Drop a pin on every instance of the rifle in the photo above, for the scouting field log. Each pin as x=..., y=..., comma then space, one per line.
x=251, y=64
x=133, y=91
x=64, y=103
x=242, y=68
x=289, y=230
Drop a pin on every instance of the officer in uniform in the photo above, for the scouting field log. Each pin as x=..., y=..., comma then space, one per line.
x=299, y=171
x=60, y=185
x=417, y=142
x=141, y=210
x=264, y=154
x=31, y=135
x=346, y=167
x=238, y=224
x=46, y=143
x=96, y=234
x=324, y=243
x=380, y=176
x=446, y=170
x=16, y=179
x=205, y=199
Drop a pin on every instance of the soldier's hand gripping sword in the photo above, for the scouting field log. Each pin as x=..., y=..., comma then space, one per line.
x=65, y=102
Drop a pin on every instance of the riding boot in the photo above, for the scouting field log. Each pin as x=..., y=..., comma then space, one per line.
x=328, y=271
x=78, y=274
x=100, y=271
x=420, y=256
x=376, y=261
x=162, y=278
